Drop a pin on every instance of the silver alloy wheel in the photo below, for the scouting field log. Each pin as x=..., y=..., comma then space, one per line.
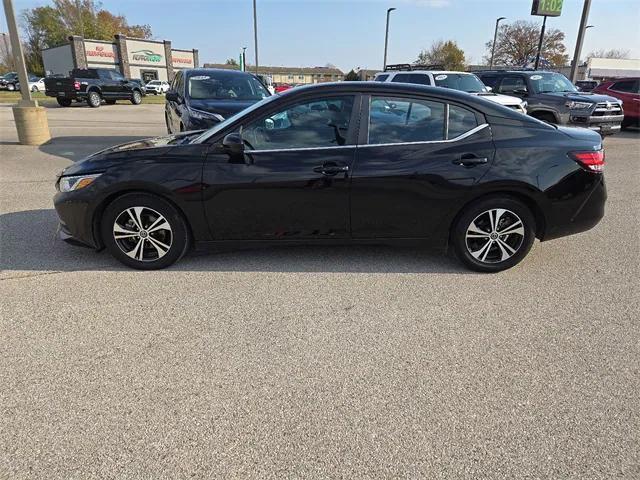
x=136, y=97
x=142, y=233
x=495, y=235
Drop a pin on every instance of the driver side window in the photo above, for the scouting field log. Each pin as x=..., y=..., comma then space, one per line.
x=314, y=123
x=512, y=84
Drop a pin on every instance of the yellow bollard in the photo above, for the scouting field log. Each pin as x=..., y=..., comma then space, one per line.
x=32, y=125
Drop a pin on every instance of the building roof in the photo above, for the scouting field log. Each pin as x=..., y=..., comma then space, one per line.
x=285, y=70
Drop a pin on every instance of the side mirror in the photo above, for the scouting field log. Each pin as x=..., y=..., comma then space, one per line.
x=233, y=144
x=171, y=96
x=489, y=89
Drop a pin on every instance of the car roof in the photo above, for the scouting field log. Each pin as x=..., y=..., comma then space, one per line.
x=201, y=71
x=434, y=72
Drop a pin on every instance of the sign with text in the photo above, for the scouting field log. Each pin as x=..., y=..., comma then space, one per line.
x=98, y=52
x=145, y=53
x=180, y=59
x=546, y=8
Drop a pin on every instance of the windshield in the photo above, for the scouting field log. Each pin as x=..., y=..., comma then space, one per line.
x=220, y=126
x=551, y=83
x=226, y=86
x=460, y=81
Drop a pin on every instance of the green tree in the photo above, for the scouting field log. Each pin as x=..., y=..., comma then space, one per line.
x=447, y=54
x=51, y=25
x=517, y=43
x=352, y=76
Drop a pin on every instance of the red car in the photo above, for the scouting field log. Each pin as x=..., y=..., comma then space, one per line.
x=627, y=90
x=282, y=87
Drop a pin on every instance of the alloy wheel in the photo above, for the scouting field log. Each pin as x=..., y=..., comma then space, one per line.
x=495, y=235
x=142, y=234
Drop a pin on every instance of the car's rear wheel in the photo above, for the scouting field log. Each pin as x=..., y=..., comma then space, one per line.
x=94, y=99
x=136, y=98
x=11, y=87
x=64, y=102
x=144, y=231
x=493, y=234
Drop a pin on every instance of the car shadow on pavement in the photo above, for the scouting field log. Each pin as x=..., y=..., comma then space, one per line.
x=28, y=242
x=78, y=147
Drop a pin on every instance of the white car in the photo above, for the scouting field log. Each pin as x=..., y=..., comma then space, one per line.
x=36, y=84
x=157, y=86
x=464, y=81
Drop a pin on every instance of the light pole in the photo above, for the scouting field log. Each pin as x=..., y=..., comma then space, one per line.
x=581, y=31
x=495, y=38
x=386, y=39
x=243, y=63
x=31, y=120
x=255, y=32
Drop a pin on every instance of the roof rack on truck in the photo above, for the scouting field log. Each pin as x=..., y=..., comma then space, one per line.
x=407, y=67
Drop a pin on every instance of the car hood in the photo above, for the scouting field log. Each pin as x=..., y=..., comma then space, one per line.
x=130, y=151
x=226, y=108
x=499, y=98
x=583, y=97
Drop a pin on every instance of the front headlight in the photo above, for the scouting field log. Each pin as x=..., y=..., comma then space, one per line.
x=199, y=114
x=76, y=182
x=578, y=105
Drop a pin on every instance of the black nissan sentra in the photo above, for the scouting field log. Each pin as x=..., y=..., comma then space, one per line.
x=342, y=163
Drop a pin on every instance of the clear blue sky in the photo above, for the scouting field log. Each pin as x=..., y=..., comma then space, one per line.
x=350, y=33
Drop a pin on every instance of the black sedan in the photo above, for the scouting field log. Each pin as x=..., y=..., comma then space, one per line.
x=342, y=163
x=200, y=98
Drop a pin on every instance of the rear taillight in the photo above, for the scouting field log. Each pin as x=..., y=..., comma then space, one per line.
x=592, y=161
x=76, y=85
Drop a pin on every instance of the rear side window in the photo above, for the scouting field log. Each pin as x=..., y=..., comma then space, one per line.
x=401, y=120
x=381, y=78
x=511, y=84
x=489, y=81
x=419, y=78
x=461, y=121
x=628, y=86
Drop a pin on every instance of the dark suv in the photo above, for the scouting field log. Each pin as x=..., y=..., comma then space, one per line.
x=551, y=97
x=202, y=97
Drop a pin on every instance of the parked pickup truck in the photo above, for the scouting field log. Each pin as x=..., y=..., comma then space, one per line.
x=552, y=98
x=93, y=85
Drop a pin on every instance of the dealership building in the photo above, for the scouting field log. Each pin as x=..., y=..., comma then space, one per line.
x=133, y=57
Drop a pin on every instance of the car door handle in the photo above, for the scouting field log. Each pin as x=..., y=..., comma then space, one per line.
x=470, y=160
x=330, y=169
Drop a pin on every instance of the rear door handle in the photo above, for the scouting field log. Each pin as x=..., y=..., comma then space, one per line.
x=470, y=160
x=330, y=169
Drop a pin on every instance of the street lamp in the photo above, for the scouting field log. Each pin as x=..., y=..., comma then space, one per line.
x=386, y=39
x=255, y=32
x=581, y=31
x=495, y=38
x=243, y=65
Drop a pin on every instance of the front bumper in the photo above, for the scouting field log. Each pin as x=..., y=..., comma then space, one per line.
x=75, y=214
x=600, y=123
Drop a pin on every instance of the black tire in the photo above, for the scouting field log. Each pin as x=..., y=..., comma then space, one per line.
x=34, y=89
x=94, y=99
x=152, y=206
x=110, y=102
x=491, y=248
x=64, y=102
x=545, y=117
x=136, y=97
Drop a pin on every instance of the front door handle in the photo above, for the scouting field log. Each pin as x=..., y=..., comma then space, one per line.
x=470, y=160
x=330, y=169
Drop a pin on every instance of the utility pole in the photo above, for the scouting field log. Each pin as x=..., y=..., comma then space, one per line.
x=255, y=32
x=495, y=39
x=581, y=32
x=386, y=39
x=31, y=120
x=544, y=24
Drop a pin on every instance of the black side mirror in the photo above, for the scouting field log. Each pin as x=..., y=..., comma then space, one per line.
x=233, y=144
x=171, y=96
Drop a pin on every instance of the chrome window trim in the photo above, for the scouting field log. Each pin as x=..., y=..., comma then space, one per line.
x=450, y=140
x=337, y=147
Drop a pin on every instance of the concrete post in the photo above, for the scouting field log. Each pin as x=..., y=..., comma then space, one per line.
x=31, y=120
x=168, y=59
x=196, y=58
x=123, y=54
x=78, y=52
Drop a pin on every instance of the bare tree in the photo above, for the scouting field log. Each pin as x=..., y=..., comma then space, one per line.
x=613, y=53
x=517, y=43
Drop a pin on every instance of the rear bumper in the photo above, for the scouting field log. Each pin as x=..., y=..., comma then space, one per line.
x=581, y=212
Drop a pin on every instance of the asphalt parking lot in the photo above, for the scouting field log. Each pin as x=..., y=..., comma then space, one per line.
x=360, y=362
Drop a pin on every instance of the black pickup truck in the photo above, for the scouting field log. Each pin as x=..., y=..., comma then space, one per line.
x=93, y=85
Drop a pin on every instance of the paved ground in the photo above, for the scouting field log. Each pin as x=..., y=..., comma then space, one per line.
x=310, y=362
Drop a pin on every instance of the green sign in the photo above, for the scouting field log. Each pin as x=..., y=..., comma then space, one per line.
x=549, y=8
x=146, y=56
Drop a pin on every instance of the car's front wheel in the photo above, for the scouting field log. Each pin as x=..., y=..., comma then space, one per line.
x=11, y=87
x=493, y=234
x=136, y=98
x=144, y=231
